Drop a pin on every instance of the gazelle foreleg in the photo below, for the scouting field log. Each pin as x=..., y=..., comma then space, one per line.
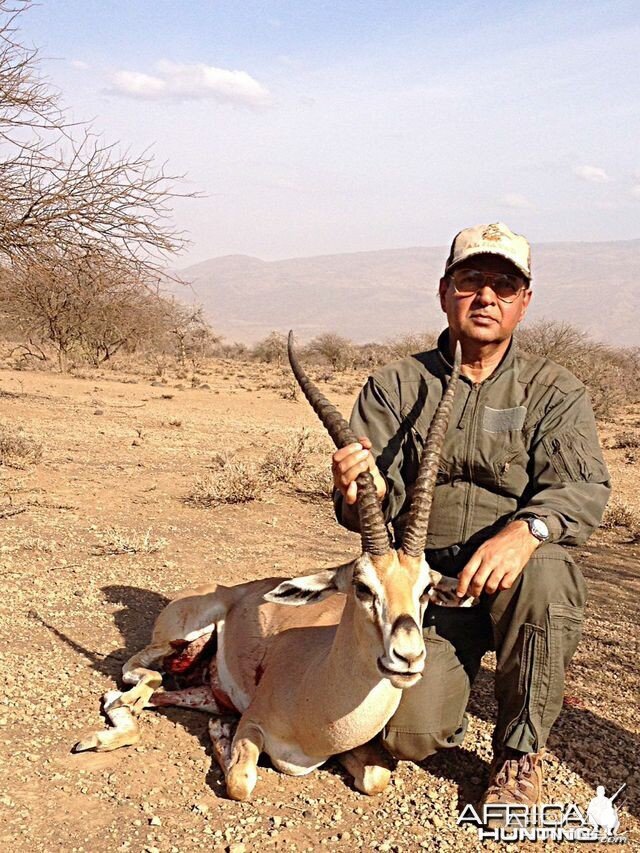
x=370, y=765
x=241, y=773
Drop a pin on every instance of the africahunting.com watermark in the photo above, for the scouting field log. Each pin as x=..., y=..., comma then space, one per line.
x=549, y=821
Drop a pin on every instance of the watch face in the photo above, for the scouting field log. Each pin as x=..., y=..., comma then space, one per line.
x=539, y=529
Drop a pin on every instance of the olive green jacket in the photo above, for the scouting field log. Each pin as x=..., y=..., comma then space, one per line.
x=522, y=441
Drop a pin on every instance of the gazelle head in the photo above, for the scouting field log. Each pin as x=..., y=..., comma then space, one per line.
x=387, y=589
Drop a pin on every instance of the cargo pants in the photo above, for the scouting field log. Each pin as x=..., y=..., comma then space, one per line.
x=534, y=628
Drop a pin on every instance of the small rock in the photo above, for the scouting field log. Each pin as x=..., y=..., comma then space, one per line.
x=237, y=848
x=155, y=821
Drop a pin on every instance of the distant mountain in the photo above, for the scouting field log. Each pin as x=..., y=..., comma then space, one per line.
x=369, y=296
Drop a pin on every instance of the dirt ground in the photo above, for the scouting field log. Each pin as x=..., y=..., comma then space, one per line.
x=119, y=455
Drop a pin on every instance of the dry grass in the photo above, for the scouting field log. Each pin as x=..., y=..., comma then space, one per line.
x=625, y=440
x=316, y=482
x=295, y=461
x=17, y=448
x=620, y=514
x=228, y=482
x=288, y=459
x=117, y=541
x=35, y=543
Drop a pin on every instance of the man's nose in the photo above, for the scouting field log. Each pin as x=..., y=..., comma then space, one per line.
x=485, y=296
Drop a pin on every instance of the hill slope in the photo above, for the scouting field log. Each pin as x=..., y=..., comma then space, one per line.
x=376, y=295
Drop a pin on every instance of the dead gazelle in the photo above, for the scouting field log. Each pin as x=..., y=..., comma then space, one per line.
x=308, y=682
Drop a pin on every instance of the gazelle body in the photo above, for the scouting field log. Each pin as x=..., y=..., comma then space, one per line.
x=314, y=666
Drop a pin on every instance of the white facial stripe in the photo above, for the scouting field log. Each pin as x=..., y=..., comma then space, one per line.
x=365, y=570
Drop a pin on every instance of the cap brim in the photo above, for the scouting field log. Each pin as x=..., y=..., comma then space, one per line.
x=484, y=251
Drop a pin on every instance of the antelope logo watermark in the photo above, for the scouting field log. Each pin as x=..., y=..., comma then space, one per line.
x=549, y=821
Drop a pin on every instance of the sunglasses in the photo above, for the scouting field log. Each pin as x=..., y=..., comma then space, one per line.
x=506, y=286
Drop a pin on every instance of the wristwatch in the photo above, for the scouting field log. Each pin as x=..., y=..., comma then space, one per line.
x=537, y=527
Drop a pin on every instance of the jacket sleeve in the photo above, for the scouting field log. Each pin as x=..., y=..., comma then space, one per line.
x=570, y=483
x=376, y=416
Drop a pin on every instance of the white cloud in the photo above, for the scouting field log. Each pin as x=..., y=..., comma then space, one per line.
x=635, y=191
x=516, y=201
x=79, y=64
x=593, y=174
x=175, y=81
x=138, y=85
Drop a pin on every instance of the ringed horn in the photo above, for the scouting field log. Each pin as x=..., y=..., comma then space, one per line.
x=373, y=530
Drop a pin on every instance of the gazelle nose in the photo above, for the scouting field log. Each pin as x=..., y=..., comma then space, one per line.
x=407, y=644
x=409, y=657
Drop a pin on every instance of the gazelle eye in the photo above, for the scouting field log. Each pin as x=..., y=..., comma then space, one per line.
x=363, y=592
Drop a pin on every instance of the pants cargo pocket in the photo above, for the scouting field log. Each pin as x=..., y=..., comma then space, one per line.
x=564, y=625
x=523, y=731
x=431, y=714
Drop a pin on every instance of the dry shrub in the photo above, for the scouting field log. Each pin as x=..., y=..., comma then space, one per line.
x=612, y=376
x=17, y=449
x=410, y=344
x=272, y=349
x=118, y=541
x=332, y=349
x=619, y=514
x=35, y=543
x=316, y=481
x=300, y=459
x=291, y=392
x=625, y=440
x=228, y=482
x=285, y=461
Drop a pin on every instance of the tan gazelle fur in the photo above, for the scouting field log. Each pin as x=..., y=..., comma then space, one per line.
x=314, y=666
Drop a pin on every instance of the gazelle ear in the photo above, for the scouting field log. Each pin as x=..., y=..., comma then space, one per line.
x=311, y=589
x=443, y=592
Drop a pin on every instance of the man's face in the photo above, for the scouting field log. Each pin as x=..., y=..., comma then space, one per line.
x=482, y=317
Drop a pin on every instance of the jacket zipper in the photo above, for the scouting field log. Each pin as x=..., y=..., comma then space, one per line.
x=470, y=441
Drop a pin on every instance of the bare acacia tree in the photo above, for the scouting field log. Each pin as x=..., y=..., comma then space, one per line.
x=92, y=304
x=62, y=188
x=191, y=335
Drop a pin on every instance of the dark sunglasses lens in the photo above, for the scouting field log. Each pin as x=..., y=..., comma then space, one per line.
x=468, y=281
x=506, y=287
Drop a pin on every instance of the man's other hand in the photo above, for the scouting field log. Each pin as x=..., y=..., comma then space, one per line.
x=498, y=561
x=350, y=461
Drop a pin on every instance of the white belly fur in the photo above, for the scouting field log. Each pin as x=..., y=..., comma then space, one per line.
x=239, y=698
x=290, y=759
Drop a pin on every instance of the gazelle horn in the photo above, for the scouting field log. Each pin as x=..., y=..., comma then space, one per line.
x=415, y=535
x=373, y=531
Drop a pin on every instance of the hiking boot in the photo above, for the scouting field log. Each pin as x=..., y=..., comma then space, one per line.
x=515, y=779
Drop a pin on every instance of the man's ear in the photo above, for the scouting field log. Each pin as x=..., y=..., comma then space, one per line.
x=526, y=299
x=442, y=290
x=310, y=589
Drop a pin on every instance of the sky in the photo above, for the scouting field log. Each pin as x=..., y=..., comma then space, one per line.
x=324, y=127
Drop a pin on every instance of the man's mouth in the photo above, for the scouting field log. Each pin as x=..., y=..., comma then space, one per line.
x=483, y=318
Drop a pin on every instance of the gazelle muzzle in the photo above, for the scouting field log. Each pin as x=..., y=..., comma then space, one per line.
x=404, y=657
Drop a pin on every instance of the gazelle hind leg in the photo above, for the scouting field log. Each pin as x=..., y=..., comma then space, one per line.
x=242, y=773
x=199, y=698
x=124, y=731
x=221, y=733
x=121, y=710
x=370, y=765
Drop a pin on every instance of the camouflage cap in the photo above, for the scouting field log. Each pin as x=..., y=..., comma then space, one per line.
x=494, y=239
